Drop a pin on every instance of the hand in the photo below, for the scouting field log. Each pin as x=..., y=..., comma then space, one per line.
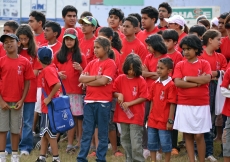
x=62, y=74
x=4, y=105
x=144, y=68
x=77, y=66
x=169, y=126
x=19, y=105
x=125, y=105
x=203, y=74
x=120, y=98
x=47, y=101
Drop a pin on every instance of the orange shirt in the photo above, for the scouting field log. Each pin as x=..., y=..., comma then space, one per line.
x=142, y=35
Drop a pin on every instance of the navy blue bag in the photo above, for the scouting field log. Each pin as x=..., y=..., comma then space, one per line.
x=59, y=113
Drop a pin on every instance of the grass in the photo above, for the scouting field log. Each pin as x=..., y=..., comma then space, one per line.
x=182, y=157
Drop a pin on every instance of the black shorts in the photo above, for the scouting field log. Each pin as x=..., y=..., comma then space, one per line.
x=45, y=127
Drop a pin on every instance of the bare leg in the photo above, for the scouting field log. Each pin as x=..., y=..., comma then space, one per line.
x=219, y=133
x=79, y=128
x=53, y=144
x=14, y=141
x=35, y=121
x=226, y=159
x=167, y=156
x=113, y=140
x=44, y=145
x=96, y=137
x=71, y=134
x=153, y=155
x=3, y=141
x=200, y=146
x=189, y=142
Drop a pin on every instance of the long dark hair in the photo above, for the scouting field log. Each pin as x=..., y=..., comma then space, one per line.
x=63, y=52
x=25, y=29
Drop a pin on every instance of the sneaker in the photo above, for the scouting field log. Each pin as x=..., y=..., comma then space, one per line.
x=118, y=153
x=6, y=153
x=174, y=152
x=70, y=150
x=3, y=159
x=159, y=156
x=39, y=160
x=38, y=145
x=93, y=154
x=195, y=158
x=211, y=158
x=26, y=153
x=146, y=153
x=15, y=158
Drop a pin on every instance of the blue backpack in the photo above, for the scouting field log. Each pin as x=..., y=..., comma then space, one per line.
x=59, y=113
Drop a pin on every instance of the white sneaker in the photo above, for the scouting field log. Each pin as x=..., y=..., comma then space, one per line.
x=15, y=158
x=6, y=153
x=159, y=156
x=3, y=159
x=26, y=153
x=211, y=158
x=146, y=153
x=195, y=158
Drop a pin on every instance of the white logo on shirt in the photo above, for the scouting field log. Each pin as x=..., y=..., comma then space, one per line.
x=19, y=70
x=217, y=65
x=99, y=71
x=43, y=82
x=134, y=91
x=88, y=53
x=31, y=60
x=162, y=96
x=199, y=72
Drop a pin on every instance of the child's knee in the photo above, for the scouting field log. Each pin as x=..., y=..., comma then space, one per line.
x=199, y=137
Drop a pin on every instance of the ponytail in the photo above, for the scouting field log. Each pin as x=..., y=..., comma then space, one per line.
x=116, y=42
x=111, y=54
x=186, y=29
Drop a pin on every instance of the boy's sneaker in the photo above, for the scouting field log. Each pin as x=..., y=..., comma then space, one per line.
x=15, y=158
x=146, y=153
x=3, y=159
x=211, y=158
x=70, y=150
x=159, y=156
x=40, y=160
x=26, y=153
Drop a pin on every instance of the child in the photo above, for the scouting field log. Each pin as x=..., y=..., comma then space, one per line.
x=138, y=16
x=88, y=26
x=170, y=37
x=15, y=73
x=149, y=17
x=70, y=63
x=131, y=96
x=193, y=111
x=115, y=18
x=50, y=84
x=98, y=77
x=37, y=21
x=160, y=121
x=130, y=43
x=198, y=30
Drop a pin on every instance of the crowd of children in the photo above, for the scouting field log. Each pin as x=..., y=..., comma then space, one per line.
x=132, y=80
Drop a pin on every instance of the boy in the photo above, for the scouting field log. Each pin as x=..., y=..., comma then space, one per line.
x=165, y=11
x=149, y=17
x=130, y=43
x=221, y=27
x=138, y=16
x=88, y=26
x=15, y=73
x=69, y=15
x=163, y=99
x=37, y=21
x=50, y=84
x=115, y=19
x=198, y=30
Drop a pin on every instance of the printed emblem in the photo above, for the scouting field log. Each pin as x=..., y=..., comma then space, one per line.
x=88, y=53
x=64, y=115
x=199, y=72
x=99, y=71
x=217, y=65
x=134, y=91
x=19, y=70
x=43, y=82
x=71, y=122
x=162, y=96
x=31, y=60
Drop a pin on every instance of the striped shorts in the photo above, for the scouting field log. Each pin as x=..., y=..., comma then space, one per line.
x=45, y=127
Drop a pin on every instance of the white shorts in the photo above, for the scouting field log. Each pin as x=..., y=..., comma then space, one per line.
x=193, y=119
x=38, y=106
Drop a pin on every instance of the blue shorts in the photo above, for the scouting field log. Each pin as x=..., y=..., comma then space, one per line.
x=159, y=139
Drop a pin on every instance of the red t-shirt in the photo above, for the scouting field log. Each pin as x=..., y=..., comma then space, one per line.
x=40, y=39
x=117, y=61
x=162, y=28
x=87, y=48
x=225, y=84
x=136, y=46
x=179, y=40
x=196, y=96
x=224, y=47
x=217, y=61
x=72, y=81
x=228, y=66
x=162, y=97
x=121, y=35
x=2, y=50
x=55, y=47
x=142, y=35
x=49, y=77
x=134, y=88
x=151, y=63
x=32, y=93
x=79, y=32
x=13, y=73
x=105, y=68
x=176, y=57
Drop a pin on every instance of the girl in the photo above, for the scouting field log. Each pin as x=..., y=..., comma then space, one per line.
x=98, y=77
x=27, y=49
x=70, y=63
x=116, y=47
x=192, y=76
x=131, y=96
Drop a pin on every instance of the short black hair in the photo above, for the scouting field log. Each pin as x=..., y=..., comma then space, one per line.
x=193, y=42
x=55, y=27
x=86, y=13
x=134, y=61
x=46, y=61
x=168, y=62
x=39, y=16
x=68, y=8
x=224, y=15
x=170, y=34
x=133, y=20
x=137, y=15
x=212, y=33
x=151, y=12
x=156, y=42
x=12, y=24
x=166, y=6
x=199, y=29
x=118, y=12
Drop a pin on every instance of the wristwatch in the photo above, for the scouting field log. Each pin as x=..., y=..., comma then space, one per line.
x=170, y=121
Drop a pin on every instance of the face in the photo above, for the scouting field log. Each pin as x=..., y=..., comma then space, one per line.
x=34, y=23
x=99, y=51
x=69, y=42
x=24, y=40
x=128, y=28
x=221, y=27
x=162, y=70
x=70, y=19
x=215, y=42
x=173, y=26
x=49, y=34
x=163, y=13
x=189, y=53
x=7, y=29
x=146, y=21
x=113, y=21
x=131, y=72
x=227, y=29
x=169, y=43
x=10, y=45
x=87, y=28
x=150, y=48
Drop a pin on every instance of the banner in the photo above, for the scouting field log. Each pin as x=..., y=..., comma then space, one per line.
x=10, y=10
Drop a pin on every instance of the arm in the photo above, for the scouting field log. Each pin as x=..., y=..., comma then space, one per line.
x=3, y=104
x=171, y=116
x=86, y=78
x=119, y=96
x=151, y=105
x=26, y=88
x=36, y=72
x=147, y=74
x=99, y=81
x=183, y=84
x=55, y=88
x=125, y=105
x=203, y=79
